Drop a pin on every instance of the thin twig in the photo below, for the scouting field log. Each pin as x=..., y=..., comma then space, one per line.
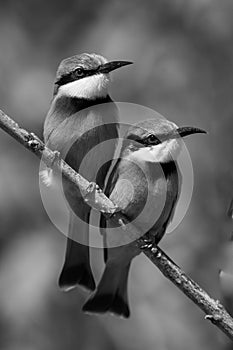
x=214, y=311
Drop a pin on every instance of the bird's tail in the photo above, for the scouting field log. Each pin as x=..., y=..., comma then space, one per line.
x=111, y=294
x=76, y=269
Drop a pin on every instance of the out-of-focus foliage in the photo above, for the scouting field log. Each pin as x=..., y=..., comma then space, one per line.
x=183, y=57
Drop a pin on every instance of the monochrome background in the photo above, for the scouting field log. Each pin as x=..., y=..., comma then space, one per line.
x=183, y=68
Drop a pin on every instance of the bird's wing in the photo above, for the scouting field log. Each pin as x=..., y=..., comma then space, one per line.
x=112, y=179
x=173, y=178
x=109, y=187
x=174, y=182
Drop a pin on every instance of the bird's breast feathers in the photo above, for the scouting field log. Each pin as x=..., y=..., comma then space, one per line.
x=146, y=191
x=75, y=132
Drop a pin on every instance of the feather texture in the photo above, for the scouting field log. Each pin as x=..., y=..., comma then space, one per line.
x=78, y=128
x=146, y=191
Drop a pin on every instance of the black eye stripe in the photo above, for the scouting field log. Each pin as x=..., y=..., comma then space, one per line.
x=76, y=74
x=150, y=140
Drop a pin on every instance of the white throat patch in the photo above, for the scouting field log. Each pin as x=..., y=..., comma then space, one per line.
x=88, y=87
x=161, y=153
x=167, y=151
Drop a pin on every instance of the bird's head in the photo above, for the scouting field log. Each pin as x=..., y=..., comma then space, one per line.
x=156, y=140
x=85, y=76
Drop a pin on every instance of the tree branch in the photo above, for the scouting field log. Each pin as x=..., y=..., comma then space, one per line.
x=214, y=311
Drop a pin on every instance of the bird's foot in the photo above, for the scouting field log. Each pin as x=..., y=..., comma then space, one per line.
x=34, y=141
x=147, y=243
x=35, y=137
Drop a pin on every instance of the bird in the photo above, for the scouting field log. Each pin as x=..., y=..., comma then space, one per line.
x=144, y=184
x=82, y=116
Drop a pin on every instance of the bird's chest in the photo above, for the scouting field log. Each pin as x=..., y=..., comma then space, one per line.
x=146, y=193
x=88, y=152
x=139, y=185
x=150, y=195
x=86, y=139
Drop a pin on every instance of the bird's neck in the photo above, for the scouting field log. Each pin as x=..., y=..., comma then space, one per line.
x=69, y=105
x=147, y=162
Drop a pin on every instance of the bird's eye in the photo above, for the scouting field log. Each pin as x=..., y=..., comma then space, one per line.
x=152, y=139
x=79, y=72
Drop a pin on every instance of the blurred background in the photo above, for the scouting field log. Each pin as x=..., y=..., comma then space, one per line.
x=183, y=68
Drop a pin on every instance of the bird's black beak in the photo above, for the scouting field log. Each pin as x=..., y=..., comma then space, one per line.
x=189, y=130
x=110, y=66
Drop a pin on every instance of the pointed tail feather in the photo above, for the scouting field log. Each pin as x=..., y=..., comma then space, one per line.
x=76, y=269
x=111, y=294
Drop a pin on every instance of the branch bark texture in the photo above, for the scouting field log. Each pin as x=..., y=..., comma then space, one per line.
x=215, y=312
